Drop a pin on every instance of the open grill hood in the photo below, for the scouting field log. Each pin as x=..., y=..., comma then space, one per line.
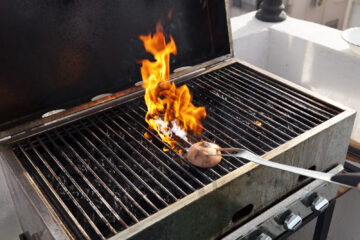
x=60, y=54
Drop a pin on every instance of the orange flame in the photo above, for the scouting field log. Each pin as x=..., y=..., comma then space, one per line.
x=170, y=111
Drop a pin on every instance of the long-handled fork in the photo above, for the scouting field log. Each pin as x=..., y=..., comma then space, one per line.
x=350, y=180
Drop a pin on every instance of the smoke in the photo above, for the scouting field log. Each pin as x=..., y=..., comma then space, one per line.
x=171, y=129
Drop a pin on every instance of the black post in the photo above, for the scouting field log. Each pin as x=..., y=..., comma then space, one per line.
x=271, y=11
x=323, y=222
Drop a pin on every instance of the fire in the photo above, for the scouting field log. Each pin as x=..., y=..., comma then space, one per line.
x=147, y=136
x=170, y=111
x=258, y=123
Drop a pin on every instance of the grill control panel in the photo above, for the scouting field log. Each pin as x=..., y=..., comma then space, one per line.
x=288, y=215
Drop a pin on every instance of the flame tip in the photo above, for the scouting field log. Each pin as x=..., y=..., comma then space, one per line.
x=170, y=110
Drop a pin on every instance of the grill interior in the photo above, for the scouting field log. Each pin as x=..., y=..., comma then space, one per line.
x=102, y=175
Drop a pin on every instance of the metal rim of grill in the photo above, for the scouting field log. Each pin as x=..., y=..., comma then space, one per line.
x=102, y=175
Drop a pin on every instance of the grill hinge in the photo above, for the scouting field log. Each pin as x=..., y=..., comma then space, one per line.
x=6, y=138
x=216, y=63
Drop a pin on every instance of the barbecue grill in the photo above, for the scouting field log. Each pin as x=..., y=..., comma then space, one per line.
x=90, y=173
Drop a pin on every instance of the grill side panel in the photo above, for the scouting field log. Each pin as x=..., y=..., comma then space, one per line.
x=34, y=215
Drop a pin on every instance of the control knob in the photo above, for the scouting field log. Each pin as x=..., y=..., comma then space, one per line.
x=292, y=222
x=319, y=204
x=263, y=236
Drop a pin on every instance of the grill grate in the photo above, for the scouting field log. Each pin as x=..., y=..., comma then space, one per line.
x=102, y=175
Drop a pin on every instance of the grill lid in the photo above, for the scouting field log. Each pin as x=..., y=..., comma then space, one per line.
x=59, y=54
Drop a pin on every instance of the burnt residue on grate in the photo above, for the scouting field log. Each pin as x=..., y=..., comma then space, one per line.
x=102, y=175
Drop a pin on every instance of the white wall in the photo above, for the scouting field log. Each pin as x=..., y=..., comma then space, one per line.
x=317, y=58
x=354, y=20
x=319, y=11
x=311, y=55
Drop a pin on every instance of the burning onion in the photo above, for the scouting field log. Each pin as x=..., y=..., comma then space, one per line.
x=170, y=111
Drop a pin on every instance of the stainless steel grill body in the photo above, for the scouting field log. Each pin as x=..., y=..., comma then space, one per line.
x=99, y=177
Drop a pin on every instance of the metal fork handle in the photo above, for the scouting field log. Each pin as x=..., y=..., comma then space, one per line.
x=348, y=180
x=229, y=149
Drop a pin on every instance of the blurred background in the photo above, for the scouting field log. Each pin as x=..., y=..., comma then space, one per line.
x=340, y=14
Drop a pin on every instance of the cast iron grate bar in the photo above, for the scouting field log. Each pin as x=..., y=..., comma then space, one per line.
x=94, y=166
x=285, y=92
x=242, y=109
x=260, y=137
x=262, y=103
x=238, y=80
x=246, y=121
x=81, y=188
x=102, y=175
x=263, y=98
x=213, y=172
x=53, y=193
x=134, y=171
x=167, y=159
x=200, y=173
x=90, y=179
x=134, y=132
x=279, y=117
x=157, y=172
x=121, y=185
